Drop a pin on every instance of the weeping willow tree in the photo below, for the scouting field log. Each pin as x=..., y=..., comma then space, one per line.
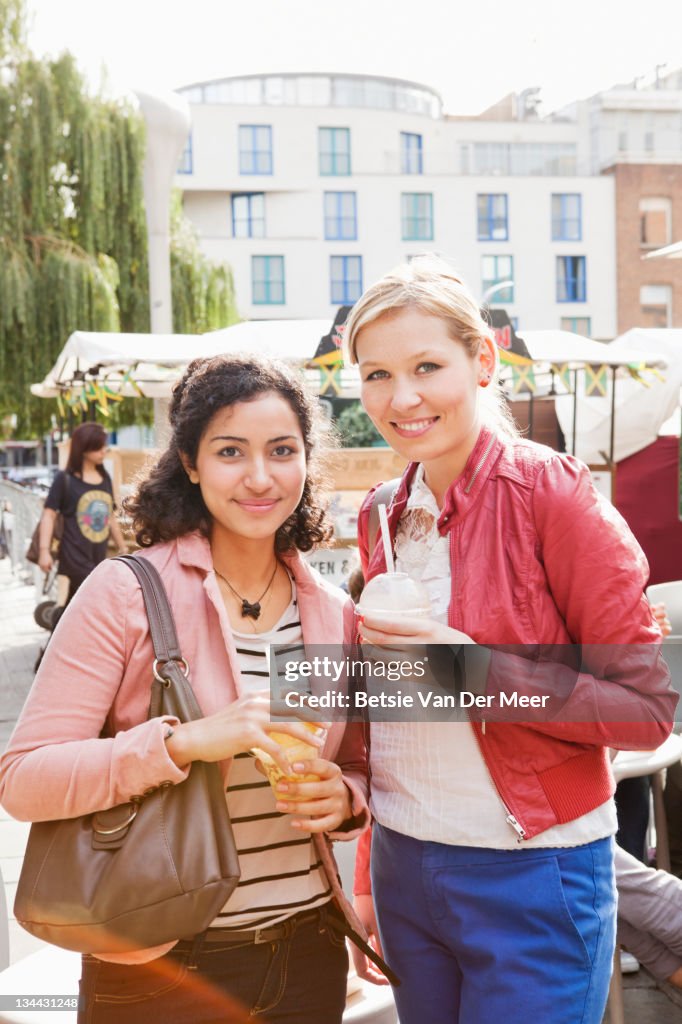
x=203, y=291
x=73, y=237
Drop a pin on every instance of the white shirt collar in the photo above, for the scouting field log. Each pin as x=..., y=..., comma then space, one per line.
x=421, y=496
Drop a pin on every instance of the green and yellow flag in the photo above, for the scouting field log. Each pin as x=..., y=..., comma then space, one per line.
x=596, y=380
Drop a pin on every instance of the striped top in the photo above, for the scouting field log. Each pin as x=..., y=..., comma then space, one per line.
x=280, y=872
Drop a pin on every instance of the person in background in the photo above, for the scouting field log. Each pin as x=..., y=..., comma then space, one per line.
x=650, y=917
x=492, y=845
x=83, y=493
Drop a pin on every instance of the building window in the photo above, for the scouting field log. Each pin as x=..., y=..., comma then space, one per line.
x=493, y=225
x=417, y=216
x=186, y=164
x=567, y=217
x=334, y=147
x=656, y=305
x=571, y=279
x=649, y=142
x=577, y=325
x=497, y=269
x=255, y=149
x=655, y=218
x=536, y=158
x=248, y=215
x=346, y=279
x=411, y=153
x=267, y=280
x=340, y=216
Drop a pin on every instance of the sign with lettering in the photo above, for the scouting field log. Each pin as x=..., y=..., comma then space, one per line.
x=334, y=564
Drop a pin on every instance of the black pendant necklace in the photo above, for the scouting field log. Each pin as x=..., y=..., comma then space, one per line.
x=250, y=609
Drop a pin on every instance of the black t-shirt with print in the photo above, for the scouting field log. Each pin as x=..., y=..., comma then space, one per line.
x=87, y=509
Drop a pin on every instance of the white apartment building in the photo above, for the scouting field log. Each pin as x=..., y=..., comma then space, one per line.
x=312, y=186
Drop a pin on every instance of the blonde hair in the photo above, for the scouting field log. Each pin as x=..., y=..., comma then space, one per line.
x=429, y=283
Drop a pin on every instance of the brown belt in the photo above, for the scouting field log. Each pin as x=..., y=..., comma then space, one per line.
x=272, y=933
x=327, y=914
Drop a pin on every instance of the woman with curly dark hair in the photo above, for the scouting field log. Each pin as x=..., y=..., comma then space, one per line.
x=224, y=516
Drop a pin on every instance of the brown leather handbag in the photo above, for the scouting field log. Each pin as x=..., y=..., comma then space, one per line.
x=153, y=870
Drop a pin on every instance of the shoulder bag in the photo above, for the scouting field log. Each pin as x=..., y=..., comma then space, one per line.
x=33, y=550
x=153, y=870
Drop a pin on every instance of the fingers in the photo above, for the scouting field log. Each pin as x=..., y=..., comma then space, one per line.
x=402, y=627
x=328, y=784
x=277, y=753
x=365, y=969
x=323, y=804
x=302, y=711
x=326, y=823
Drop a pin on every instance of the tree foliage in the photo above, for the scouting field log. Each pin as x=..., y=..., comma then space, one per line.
x=203, y=291
x=356, y=428
x=73, y=236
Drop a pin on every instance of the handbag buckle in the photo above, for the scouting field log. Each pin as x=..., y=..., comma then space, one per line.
x=120, y=826
x=182, y=662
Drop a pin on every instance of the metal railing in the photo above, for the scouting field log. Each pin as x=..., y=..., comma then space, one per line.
x=21, y=511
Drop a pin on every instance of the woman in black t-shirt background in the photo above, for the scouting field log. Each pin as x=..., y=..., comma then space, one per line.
x=83, y=493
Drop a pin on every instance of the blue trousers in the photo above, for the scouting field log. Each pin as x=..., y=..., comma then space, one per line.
x=481, y=936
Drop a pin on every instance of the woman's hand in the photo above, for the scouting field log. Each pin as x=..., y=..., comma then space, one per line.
x=45, y=560
x=322, y=805
x=244, y=724
x=381, y=629
x=364, y=968
x=661, y=618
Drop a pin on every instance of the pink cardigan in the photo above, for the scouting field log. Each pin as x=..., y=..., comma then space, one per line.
x=97, y=670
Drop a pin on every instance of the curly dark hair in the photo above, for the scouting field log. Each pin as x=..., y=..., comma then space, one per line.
x=166, y=505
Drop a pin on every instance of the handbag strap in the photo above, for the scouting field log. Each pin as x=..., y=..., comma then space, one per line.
x=159, y=612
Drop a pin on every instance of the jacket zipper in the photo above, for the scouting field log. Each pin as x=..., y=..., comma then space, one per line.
x=510, y=818
x=480, y=464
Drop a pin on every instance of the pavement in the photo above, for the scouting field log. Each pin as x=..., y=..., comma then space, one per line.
x=20, y=642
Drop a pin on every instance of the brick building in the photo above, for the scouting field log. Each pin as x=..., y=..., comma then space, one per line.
x=648, y=215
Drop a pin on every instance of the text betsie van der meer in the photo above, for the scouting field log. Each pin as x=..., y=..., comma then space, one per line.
x=377, y=695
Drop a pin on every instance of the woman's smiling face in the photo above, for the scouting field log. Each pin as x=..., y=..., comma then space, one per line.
x=251, y=467
x=420, y=388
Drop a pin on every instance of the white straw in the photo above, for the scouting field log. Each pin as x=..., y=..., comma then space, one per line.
x=386, y=539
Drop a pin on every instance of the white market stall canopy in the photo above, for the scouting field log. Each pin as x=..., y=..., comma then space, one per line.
x=641, y=408
x=565, y=348
x=149, y=364
x=100, y=366
x=611, y=399
x=671, y=252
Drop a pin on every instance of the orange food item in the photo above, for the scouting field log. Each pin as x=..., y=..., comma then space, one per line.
x=296, y=750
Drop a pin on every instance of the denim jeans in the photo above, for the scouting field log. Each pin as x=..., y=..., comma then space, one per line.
x=482, y=936
x=299, y=979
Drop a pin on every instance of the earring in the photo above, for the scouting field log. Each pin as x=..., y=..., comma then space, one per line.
x=485, y=381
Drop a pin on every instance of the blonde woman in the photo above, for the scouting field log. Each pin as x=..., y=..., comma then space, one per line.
x=492, y=855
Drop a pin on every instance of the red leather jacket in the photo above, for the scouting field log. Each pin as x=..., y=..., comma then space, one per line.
x=537, y=557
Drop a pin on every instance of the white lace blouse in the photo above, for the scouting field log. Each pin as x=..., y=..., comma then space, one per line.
x=429, y=779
